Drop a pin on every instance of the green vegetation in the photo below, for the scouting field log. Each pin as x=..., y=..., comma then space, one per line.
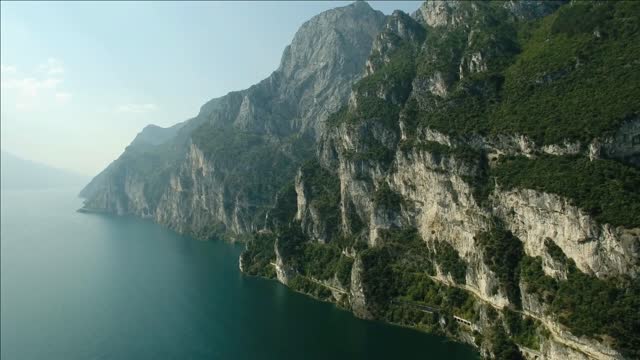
x=588, y=305
x=406, y=314
x=353, y=220
x=343, y=270
x=419, y=289
x=413, y=253
x=323, y=189
x=386, y=198
x=291, y=242
x=375, y=151
x=467, y=105
x=450, y=262
x=460, y=152
x=540, y=76
x=395, y=70
x=523, y=329
x=323, y=261
x=372, y=107
x=378, y=278
x=319, y=260
x=605, y=189
x=312, y=259
x=307, y=286
x=555, y=251
x=497, y=39
x=582, y=50
x=213, y=230
x=502, y=346
x=369, y=107
x=342, y=115
x=395, y=76
x=285, y=208
x=259, y=255
x=400, y=269
x=502, y=253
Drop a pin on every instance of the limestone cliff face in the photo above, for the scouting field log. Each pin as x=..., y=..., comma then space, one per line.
x=436, y=183
x=195, y=195
x=601, y=250
x=561, y=343
x=440, y=203
x=183, y=184
x=392, y=160
x=357, y=297
x=308, y=214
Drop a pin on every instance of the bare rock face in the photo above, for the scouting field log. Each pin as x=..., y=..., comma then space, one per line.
x=597, y=249
x=357, y=295
x=328, y=51
x=284, y=272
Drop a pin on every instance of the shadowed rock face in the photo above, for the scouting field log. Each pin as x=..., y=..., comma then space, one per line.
x=283, y=114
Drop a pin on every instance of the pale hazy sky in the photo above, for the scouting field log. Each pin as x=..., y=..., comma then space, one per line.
x=80, y=80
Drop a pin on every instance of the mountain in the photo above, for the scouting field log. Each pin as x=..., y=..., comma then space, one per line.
x=220, y=172
x=482, y=182
x=18, y=173
x=472, y=170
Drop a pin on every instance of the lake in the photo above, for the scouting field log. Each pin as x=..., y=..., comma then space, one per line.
x=88, y=286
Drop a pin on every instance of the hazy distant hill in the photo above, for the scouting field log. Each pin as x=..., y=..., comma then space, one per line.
x=17, y=173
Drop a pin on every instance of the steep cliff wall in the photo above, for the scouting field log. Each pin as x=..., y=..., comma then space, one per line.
x=459, y=215
x=479, y=179
x=218, y=172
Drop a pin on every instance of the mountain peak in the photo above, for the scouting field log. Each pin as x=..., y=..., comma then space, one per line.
x=360, y=4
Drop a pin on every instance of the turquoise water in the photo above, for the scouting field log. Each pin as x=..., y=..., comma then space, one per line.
x=85, y=286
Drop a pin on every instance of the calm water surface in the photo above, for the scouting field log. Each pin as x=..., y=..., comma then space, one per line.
x=80, y=286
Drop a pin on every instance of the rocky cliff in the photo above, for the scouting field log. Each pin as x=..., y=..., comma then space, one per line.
x=219, y=172
x=436, y=202
x=468, y=170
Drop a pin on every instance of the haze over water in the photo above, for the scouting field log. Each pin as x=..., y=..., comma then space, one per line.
x=80, y=286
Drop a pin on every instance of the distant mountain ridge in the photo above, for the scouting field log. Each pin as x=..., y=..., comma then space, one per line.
x=19, y=173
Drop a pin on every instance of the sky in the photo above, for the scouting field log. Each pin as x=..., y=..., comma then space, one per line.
x=81, y=79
